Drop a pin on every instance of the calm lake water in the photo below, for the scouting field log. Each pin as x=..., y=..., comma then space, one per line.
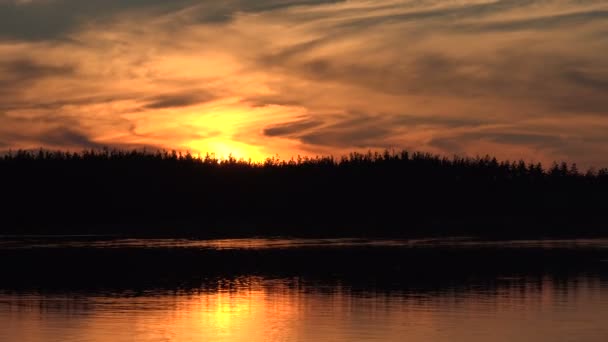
x=535, y=304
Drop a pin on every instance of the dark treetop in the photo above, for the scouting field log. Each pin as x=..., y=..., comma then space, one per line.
x=404, y=194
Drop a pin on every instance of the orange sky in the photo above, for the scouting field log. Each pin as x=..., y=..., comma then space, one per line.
x=516, y=79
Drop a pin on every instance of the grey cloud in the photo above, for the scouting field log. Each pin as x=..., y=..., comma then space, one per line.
x=24, y=70
x=556, y=79
x=536, y=140
x=11, y=104
x=40, y=20
x=362, y=130
x=550, y=79
x=360, y=137
x=56, y=19
x=267, y=5
x=523, y=139
x=520, y=74
x=442, y=16
x=280, y=100
x=58, y=136
x=221, y=11
x=178, y=100
x=398, y=79
x=13, y=123
x=438, y=120
x=298, y=49
x=66, y=137
x=18, y=74
x=49, y=130
x=540, y=23
x=291, y=128
x=352, y=129
x=28, y=69
x=595, y=82
x=586, y=150
x=183, y=131
x=447, y=145
x=52, y=132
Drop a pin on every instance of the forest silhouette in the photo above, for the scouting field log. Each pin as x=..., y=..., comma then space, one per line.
x=167, y=193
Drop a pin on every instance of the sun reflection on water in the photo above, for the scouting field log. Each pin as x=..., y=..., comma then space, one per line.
x=261, y=309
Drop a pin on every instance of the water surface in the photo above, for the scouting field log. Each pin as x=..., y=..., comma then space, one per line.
x=266, y=302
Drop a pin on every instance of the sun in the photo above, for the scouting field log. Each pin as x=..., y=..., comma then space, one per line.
x=225, y=148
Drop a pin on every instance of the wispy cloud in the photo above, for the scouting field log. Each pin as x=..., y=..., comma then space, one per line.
x=520, y=79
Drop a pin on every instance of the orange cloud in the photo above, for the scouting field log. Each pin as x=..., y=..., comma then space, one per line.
x=513, y=79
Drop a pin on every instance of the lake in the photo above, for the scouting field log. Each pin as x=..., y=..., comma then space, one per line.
x=106, y=289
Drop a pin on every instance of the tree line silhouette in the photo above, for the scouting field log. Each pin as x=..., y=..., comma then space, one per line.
x=376, y=193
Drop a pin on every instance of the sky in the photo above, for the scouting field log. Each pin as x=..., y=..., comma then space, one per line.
x=516, y=79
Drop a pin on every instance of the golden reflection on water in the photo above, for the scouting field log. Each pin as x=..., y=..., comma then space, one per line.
x=278, y=243
x=255, y=309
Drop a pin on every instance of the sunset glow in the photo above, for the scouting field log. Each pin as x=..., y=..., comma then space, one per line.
x=259, y=79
